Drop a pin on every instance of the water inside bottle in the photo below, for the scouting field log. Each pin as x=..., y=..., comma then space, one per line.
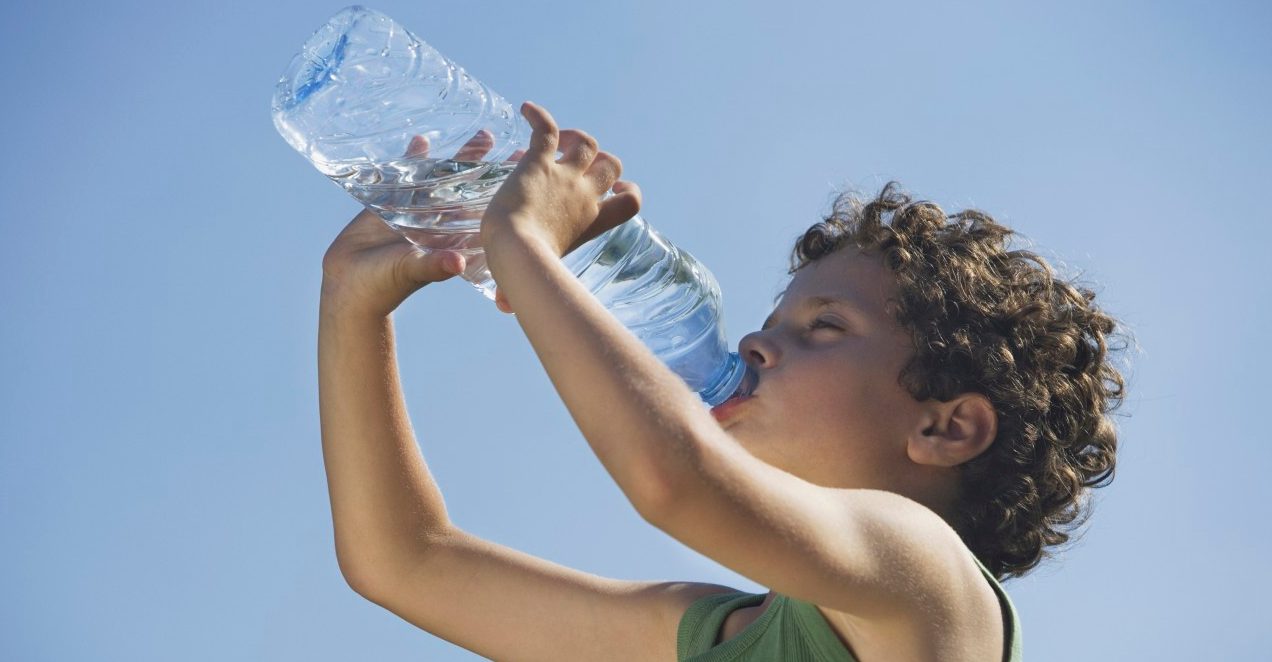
x=435, y=204
x=425, y=193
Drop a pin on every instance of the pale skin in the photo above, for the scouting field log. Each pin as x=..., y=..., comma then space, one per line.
x=829, y=486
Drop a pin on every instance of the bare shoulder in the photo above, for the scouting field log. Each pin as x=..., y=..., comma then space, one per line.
x=941, y=606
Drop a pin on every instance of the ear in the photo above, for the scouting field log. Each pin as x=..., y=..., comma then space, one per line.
x=951, y=433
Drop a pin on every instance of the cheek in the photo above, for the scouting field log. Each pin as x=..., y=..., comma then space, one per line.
x=826, y=401
x=850, y=399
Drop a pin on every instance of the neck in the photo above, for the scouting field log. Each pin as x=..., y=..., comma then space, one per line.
x=938, y=489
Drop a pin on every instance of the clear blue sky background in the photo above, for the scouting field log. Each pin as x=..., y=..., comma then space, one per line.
x=161, y=487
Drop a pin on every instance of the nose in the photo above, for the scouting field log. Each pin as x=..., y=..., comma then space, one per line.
x=758, y=350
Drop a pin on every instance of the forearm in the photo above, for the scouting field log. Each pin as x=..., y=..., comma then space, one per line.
x=384, y=503
x=644, y=424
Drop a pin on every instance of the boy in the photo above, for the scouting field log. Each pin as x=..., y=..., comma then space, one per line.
x=926, y=413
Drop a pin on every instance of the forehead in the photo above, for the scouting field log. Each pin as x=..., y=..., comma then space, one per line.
x=859, y=278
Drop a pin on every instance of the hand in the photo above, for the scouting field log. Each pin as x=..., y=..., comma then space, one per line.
x=372, y=269
x=558, y=202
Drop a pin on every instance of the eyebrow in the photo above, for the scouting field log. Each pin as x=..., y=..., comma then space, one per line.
x=816, y=302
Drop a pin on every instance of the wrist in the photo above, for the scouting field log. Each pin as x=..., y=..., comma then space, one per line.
x=514, y=237
x=337, y=303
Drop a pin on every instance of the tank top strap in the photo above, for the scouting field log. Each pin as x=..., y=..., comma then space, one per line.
x=1013, y=644
x=701, y=622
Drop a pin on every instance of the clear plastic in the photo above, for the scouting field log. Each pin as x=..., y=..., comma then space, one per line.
x=363, y=88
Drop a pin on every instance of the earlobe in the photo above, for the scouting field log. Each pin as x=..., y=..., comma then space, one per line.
x=954, y=432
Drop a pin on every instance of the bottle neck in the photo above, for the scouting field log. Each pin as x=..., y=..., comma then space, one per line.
x=725, y=382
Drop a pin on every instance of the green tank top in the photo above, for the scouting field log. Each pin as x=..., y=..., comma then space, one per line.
x=790, y=630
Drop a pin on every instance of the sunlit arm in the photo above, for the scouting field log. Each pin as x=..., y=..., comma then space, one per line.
x=640, y=418
x=843, y=549
x=384, y=502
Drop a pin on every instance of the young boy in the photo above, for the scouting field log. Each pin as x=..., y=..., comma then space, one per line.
x=927, y=413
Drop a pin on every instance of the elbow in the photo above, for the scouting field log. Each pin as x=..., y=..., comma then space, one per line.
x=668, y=494
x=373, y=570
x=656, y=503
x=358, y=574
x=680, y=479
x=370, y=571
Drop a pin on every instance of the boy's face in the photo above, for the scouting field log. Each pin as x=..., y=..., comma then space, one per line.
x=827, y=406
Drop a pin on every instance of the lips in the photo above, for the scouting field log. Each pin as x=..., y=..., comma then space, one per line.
x=726, y=409
x=729, y=408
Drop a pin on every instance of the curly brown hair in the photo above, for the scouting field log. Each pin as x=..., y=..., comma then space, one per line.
x=998, y=322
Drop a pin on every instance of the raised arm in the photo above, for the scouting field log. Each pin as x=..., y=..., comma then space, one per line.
x=384, y=502
x=380, y=488
x=394, y=542
x=872, y=554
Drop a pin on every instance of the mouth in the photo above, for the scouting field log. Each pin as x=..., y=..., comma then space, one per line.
x=729, y=408
x=746, y=389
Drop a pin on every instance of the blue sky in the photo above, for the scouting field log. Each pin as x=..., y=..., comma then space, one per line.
x=161, y=486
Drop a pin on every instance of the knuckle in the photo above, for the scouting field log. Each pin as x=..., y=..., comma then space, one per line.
x=547, y=145
x=582, y=142
x=615, y=163
x=331, y=264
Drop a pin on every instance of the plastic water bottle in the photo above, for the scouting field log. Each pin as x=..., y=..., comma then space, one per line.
x=363, y=88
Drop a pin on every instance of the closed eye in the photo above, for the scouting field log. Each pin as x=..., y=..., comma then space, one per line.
x=822, y=322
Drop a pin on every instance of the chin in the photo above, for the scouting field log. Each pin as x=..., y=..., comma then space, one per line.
x=748, y=438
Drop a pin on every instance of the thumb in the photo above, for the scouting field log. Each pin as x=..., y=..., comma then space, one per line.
x=430, y=266
x=615, y=210
x=624, y=204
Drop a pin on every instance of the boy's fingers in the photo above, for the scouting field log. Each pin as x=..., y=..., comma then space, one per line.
x=543, y=142
x=476, y=147
x=604, y=171
x=516, y=156
x=579, y=149
x=418, y=147
x=501, y=301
